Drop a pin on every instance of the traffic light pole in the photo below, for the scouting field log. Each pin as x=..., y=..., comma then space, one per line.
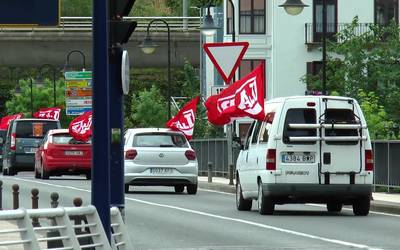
x=101, y=116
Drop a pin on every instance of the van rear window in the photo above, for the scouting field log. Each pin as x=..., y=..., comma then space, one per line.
x=299, y=116
x=340, y=116
x=34, y=129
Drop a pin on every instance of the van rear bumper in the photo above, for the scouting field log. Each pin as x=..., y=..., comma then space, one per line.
x=317, y=193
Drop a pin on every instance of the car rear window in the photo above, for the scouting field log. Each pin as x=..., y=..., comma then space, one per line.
x=34, y=129
x=3, y=135
x=160, y=140
x=299, y=116
x=340, y=116
x=66, y=139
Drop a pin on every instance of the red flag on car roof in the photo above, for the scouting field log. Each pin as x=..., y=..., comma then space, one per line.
x=80, y=128
x=184, y=120
x=243, y=98
x=48, y=113
x=5, y=121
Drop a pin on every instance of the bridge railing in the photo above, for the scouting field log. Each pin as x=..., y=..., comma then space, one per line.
x=84, y=24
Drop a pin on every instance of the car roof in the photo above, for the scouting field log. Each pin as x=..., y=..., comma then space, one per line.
x=58, y=131
x=151, y=130
x=35, y=120
x=305, y=97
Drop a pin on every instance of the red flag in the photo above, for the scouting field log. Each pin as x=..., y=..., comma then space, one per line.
x=243, y=98
x=48, y=113
x=5, y=121
x=184, y=120
x=81, y=127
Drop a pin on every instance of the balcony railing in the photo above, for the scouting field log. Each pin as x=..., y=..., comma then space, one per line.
x=313, y=32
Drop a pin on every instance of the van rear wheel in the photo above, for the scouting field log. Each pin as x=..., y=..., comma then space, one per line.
x=265, y=203
x=241, y=203
x=334, y=207
x=361, y=206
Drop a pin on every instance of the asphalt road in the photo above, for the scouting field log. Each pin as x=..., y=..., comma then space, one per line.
x=157, y=218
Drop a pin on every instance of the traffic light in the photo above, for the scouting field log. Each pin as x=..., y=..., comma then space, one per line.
x=120, y=30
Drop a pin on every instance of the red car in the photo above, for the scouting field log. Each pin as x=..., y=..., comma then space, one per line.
x=60, y=154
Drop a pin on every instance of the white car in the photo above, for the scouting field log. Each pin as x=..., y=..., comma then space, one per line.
x=308, y=149
x=159, y=157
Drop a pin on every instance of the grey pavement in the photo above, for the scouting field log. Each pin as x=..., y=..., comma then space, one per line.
x=381, y=202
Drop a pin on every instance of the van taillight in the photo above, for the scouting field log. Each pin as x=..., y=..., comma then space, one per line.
x=13, y=145
x=369, y=160
x=271, y=159
x=130, y=154
x=190, y=155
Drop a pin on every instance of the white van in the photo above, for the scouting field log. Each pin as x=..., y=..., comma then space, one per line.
x=308, y=149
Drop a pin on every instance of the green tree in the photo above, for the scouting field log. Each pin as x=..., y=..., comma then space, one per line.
x=368, y=62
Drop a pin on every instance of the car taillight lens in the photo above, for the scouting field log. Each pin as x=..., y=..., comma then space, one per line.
x=13, y=145
x=369, y=160
x=271, y=159
x=190, y=155
x=130, y=154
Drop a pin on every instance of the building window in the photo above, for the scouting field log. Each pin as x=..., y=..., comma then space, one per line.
x=246, y=66
x=252, y=16
x=331, y=19
x=385, y=11
x=229, y=17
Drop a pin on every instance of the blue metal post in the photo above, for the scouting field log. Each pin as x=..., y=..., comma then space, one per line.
x=101, y=115
x=116, y=123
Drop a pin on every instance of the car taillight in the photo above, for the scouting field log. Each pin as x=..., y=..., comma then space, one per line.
x=369, y=160
x=271, y=159
x=190, y=155
x=130, y=154
x=13, y=145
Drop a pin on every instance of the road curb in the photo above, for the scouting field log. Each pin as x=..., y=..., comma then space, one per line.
x=376, y=206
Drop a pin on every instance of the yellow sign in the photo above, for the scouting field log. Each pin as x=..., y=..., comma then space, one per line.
x=77, y=84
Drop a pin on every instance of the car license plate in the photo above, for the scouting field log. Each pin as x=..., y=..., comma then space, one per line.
x=298, y=158
x=73, y=153
x=31, y=150
x=160, y=171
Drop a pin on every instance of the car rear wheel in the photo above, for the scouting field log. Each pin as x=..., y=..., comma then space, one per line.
x=334, y=207
x=44, y=174
x=126, y=188
x=361, y=206
x=37, y=174
x=89, y=176
x=241, y=203
x=5, y=171
x=265, y=203
x=179, y=188
x=192, y=189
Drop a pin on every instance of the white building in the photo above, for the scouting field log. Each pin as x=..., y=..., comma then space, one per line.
x=290, y=45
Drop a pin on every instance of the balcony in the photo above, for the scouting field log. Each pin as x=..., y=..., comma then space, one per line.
x=313, y=33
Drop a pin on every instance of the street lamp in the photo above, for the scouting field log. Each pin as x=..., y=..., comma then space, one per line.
x=148, y=47
x=66, y=66
x=40, y=79
x=208, y=28
x=293, y=7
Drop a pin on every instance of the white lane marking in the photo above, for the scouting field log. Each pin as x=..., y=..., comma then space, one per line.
x=213, y=191
x=334, y=241
x=350, y=209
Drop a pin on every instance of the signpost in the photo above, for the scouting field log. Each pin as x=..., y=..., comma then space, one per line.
x=78, y=92
x=29, y=13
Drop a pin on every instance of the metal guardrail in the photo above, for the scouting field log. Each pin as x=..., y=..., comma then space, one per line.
x=59, y=220
x=312, y=37
x=84, y=24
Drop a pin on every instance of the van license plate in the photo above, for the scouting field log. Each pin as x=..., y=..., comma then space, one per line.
x=31, y=150
x=298, y=158
x=160, y=171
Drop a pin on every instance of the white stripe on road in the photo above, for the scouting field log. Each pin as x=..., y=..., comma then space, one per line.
x=334, y=241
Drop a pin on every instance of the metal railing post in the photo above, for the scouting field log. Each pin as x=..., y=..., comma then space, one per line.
x=15, y=194
x=388, y=166
x=54, y=233
x=210, y=167
x=1, y=195
x=35, y=205
x=231, y=174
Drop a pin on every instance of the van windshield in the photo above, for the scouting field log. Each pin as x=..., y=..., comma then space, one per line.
x=34, y=129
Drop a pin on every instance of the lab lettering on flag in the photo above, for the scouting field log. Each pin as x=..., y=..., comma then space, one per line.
x=81, y=127
x=5, y=121
x=48, y=113
x=243, y=98
x=184, y=120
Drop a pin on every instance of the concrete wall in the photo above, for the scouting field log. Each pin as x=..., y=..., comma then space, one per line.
x=37, y=48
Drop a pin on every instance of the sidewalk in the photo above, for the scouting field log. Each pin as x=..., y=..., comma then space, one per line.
x=382, y=202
